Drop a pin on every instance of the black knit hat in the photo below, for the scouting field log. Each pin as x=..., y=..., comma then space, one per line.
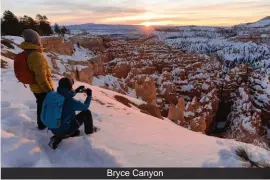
x=66, y=83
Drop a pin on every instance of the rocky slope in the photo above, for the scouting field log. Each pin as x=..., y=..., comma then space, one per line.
x=128, y=138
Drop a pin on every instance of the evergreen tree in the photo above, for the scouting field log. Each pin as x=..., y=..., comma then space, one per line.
x=28, y=23
x=63, y=30
x=10, y=24
x=44, y=27
x=57, y=29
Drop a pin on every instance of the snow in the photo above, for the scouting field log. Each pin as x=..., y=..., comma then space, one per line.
x=115, y=83
x=16, y=39
x=227, y=78
x=61, y=66
x=246, y=124
x=187, y=87
x=243, y=94
x=108, y=79
x=128, y=138
x=261, y=23
x=132, y=93
x=116, y=60
x=80, y=67
x=188, y=113
x=79, y=54
x=205, y=86
x=223, y=42
x=16, y=49
x=9, y=61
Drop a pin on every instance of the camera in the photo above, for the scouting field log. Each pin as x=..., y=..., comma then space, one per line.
x=83, y=90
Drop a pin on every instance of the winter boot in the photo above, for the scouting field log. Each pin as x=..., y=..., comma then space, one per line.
x=54, y=142
x=95, y=129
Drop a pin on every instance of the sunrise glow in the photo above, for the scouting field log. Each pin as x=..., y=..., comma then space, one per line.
x=147, y=13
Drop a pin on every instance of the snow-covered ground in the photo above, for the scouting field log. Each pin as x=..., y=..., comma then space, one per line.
x=79, y=54
x=128, y=138
x=16, y=39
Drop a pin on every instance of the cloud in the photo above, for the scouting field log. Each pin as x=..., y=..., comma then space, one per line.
x=73, y=6
x=178, y=12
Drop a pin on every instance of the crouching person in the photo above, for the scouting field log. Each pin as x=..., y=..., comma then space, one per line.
x=60, y=116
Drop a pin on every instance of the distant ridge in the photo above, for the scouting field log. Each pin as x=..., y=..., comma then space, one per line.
x=266, y=18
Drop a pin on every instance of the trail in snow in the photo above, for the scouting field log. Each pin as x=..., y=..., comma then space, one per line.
x=127, y=137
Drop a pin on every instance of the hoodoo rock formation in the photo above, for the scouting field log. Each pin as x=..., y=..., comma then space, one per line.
x=246, y=122
x=146, y=90
x=58, y=45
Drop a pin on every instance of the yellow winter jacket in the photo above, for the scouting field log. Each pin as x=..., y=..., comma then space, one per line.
x=39, y=65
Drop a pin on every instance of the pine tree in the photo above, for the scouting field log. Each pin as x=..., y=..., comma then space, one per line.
x=57, y=29
x=44, y=27
x=10, y=24
x=63, y=30
x=28, y=23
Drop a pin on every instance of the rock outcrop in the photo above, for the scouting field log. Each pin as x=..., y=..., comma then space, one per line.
x=145, y=108
x=246, y=123
x=146, y=90
x=176, y=113
x=121, y=69
x=58, y=45
x=259, y=85
x=96, y=44
x=196, y=115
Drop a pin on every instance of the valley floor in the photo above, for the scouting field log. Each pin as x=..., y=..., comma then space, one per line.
x=128, y=138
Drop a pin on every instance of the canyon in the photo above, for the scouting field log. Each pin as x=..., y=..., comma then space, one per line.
x=178, y=77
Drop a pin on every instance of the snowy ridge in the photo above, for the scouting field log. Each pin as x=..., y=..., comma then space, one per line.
x=58, y=63
x=247, y=43
x=261, y=23
x=226, y=50
x=127, y=137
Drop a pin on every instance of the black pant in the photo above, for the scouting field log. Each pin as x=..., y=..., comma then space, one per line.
x=84, y=117
x=40, y=98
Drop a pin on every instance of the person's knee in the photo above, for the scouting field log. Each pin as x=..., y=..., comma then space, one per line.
x=87, y=114
x=87, y=111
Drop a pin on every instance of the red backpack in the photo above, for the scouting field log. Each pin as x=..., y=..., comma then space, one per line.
x=21, y=69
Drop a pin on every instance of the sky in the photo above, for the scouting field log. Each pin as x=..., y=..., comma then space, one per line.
x=143, y=12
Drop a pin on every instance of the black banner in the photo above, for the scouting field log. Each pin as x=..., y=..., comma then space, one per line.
x=135, y=173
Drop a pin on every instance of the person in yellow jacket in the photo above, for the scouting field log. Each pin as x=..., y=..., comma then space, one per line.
x=38, y=64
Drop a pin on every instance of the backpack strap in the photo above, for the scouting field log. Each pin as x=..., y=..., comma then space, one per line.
x=28, y=52
x=62, y=120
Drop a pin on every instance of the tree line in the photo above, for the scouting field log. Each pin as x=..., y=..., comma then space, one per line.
x=13, y=25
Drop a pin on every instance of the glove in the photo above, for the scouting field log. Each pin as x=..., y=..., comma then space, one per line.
x=79, y=89
x=89, y=92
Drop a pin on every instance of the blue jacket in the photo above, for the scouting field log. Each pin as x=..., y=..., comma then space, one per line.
x=70, y=106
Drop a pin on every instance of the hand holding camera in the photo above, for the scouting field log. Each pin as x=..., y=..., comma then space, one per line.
x=88, y=92
x=82, y=89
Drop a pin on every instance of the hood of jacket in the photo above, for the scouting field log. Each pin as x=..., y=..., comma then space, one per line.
x=66, y=92
x=30, y=46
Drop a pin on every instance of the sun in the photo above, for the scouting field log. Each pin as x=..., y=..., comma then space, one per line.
x=147, y=24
